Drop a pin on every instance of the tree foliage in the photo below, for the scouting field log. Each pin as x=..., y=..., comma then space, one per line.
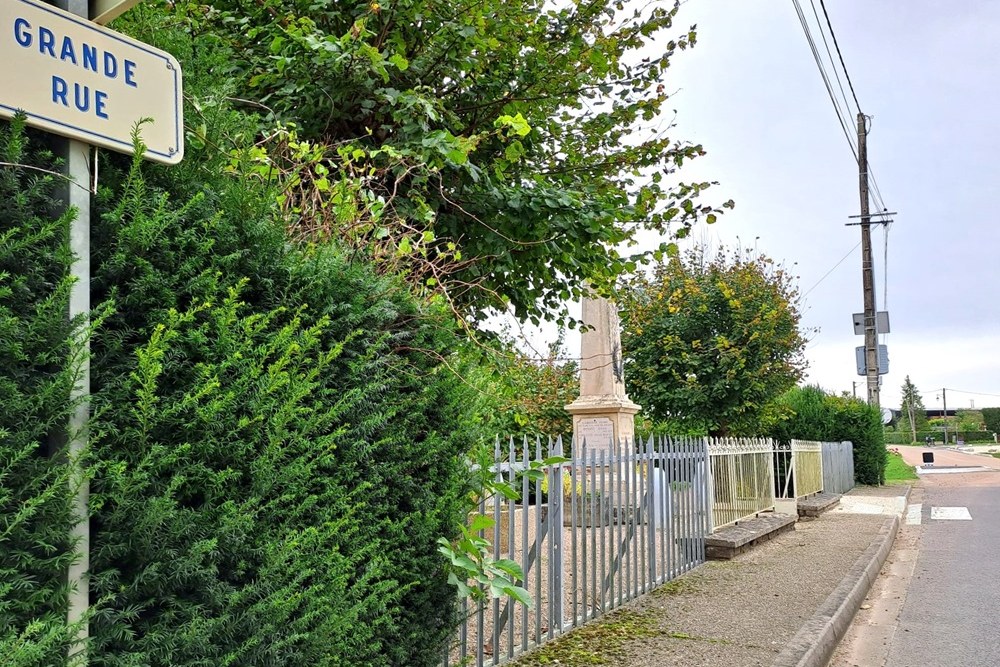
x=499, y=153
x=969, y=420
x=710, y=342
x=913, y=407
x=523, y=394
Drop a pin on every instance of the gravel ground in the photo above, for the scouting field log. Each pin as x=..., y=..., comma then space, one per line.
x=737, y=613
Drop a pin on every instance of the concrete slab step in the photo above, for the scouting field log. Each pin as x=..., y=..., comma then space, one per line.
x=815, y=505
x=730, y=541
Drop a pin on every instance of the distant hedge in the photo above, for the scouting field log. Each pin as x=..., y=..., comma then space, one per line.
x=809, y=413
x=905, y=437
x=991, y=416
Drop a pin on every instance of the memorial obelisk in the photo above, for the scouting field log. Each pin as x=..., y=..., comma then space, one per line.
x=603, y=413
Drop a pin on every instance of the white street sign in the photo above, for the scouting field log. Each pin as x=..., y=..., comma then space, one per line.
x=102, y=11
x=77, y=79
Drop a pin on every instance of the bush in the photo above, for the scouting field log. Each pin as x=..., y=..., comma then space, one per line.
x=809, y=413
x=991, y=416
x=35, y=380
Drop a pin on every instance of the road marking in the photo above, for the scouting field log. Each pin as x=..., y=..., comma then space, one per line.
x=924, y=470
x=951, y=513
x=913, y=513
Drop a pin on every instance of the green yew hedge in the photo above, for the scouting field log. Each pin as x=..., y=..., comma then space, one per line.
x=276, y=443
x=809, y=413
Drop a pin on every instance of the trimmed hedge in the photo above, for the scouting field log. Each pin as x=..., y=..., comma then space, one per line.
x=276, y=443
x=991, y=416
x=809, y=413
x=277, y=448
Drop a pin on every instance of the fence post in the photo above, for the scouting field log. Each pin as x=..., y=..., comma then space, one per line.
x=556, y=522
x=652, y=480
x=710, y=486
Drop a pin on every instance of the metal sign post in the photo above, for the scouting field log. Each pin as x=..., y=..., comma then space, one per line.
x=77, y=168
x=103, y=11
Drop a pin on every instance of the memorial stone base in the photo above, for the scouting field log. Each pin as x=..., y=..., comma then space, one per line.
x=602, y=420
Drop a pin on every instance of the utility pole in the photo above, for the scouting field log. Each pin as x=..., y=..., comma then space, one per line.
x=867, y=272
x=944, y=399
x=854, y=389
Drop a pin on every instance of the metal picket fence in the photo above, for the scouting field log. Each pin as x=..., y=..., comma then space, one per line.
x=838, y=466
x=807, y=460
x=606, y=526
x=742, y=478
x=798, y=469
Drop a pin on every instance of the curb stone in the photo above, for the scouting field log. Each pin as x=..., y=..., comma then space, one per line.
x=813, y=645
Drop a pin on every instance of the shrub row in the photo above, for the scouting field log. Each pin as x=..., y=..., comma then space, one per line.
x=905, y=437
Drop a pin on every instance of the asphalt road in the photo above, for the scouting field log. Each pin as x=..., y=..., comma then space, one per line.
x=937, y=599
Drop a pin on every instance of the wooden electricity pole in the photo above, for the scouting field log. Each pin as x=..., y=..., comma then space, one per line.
x=944, y=399
x=867, y=272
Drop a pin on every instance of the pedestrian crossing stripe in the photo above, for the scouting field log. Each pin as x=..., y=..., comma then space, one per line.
x=915, y=512
x=951, y=513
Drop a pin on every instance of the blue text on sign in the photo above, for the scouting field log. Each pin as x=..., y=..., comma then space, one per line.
x=86, y=56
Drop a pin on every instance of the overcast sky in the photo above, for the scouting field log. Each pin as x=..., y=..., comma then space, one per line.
x=927, y=73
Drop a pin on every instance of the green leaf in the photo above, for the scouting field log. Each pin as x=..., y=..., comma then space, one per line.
x=511, y=568
x=481, y=522
x=400, y=61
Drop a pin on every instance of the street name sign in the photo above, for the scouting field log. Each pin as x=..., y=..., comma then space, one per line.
x=102, y=11
x=81, y=80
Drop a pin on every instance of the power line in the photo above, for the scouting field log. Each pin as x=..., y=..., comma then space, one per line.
x=826, y=79
x=836, y=74
x=825, y=275
x=845, y=122
x=839, y=54
x=974, y=393
x=870, y=183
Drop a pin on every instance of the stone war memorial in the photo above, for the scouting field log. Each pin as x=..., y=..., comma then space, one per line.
x=603, y=413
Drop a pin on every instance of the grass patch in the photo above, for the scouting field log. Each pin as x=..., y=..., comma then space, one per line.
x=603, y=642
x=898, y=471
x=682, y=586
x=598, y=643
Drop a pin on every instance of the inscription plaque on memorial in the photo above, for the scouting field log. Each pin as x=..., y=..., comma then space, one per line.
x=598, y=432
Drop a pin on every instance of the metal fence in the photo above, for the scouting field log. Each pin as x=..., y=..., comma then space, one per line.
x=807, y=459
x=838, y=467
x=798, y=469
x=606, y=526
x=742, y=478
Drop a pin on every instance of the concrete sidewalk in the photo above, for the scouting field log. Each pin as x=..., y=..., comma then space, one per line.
x=786, y=602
